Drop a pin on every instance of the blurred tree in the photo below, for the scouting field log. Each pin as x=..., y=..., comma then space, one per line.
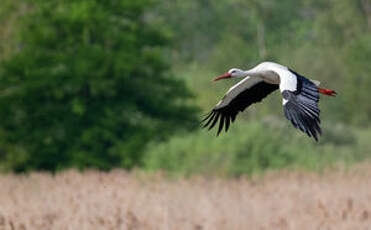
x=345, y=27
x=89, y=86
x=230, y=31
x=10, y=12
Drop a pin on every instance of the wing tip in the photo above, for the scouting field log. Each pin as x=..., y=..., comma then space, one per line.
x=211, y=119
x=303, y=116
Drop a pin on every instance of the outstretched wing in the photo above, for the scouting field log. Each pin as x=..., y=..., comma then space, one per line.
x=301, y=106
x=237, y=99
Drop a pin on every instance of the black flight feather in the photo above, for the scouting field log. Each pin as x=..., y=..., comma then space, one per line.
x=301, y=107
x=228, y=113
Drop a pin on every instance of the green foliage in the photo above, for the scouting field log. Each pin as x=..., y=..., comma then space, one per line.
x=254, y=147
x=87, y=83
x=10, y=11
x=222, y=33
x=358, y=59
x=89, y=87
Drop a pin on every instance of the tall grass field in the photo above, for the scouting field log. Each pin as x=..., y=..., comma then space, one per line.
x=337, y=199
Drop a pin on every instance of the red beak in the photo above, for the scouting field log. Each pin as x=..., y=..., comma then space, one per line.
x=226, y=75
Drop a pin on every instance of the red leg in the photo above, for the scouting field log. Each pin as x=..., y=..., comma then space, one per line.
x=327, y=92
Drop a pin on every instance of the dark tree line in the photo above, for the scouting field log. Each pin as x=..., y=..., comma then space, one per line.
x=89, y=87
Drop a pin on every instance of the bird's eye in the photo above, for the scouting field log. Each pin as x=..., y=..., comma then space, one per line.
x=233, y=71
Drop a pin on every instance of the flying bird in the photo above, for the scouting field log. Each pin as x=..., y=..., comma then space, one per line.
x=300, y=97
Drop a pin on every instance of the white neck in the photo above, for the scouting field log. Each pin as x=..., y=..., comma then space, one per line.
x=251, y=73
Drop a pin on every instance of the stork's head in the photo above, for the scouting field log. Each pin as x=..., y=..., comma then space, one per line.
x=232, y=73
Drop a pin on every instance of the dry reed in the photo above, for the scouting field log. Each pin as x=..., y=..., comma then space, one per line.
x=120, y=200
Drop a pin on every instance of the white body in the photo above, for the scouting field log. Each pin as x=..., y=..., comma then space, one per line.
x=274, y=73
x=269, y=72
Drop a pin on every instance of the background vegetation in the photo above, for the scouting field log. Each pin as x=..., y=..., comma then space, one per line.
x=110, y=84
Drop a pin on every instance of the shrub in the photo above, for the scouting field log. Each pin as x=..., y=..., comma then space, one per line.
x=250, y=147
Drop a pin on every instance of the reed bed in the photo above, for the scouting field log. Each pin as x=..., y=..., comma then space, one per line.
x=337, y=199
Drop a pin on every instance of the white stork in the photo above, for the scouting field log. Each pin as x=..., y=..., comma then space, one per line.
x=300, y=96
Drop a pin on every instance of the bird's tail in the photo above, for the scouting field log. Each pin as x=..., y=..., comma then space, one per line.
x=328, y=92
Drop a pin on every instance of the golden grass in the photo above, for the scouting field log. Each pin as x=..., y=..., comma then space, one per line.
x=120, y=200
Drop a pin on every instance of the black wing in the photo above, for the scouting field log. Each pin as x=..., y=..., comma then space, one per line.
x=301, y=107
x=245, y=98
